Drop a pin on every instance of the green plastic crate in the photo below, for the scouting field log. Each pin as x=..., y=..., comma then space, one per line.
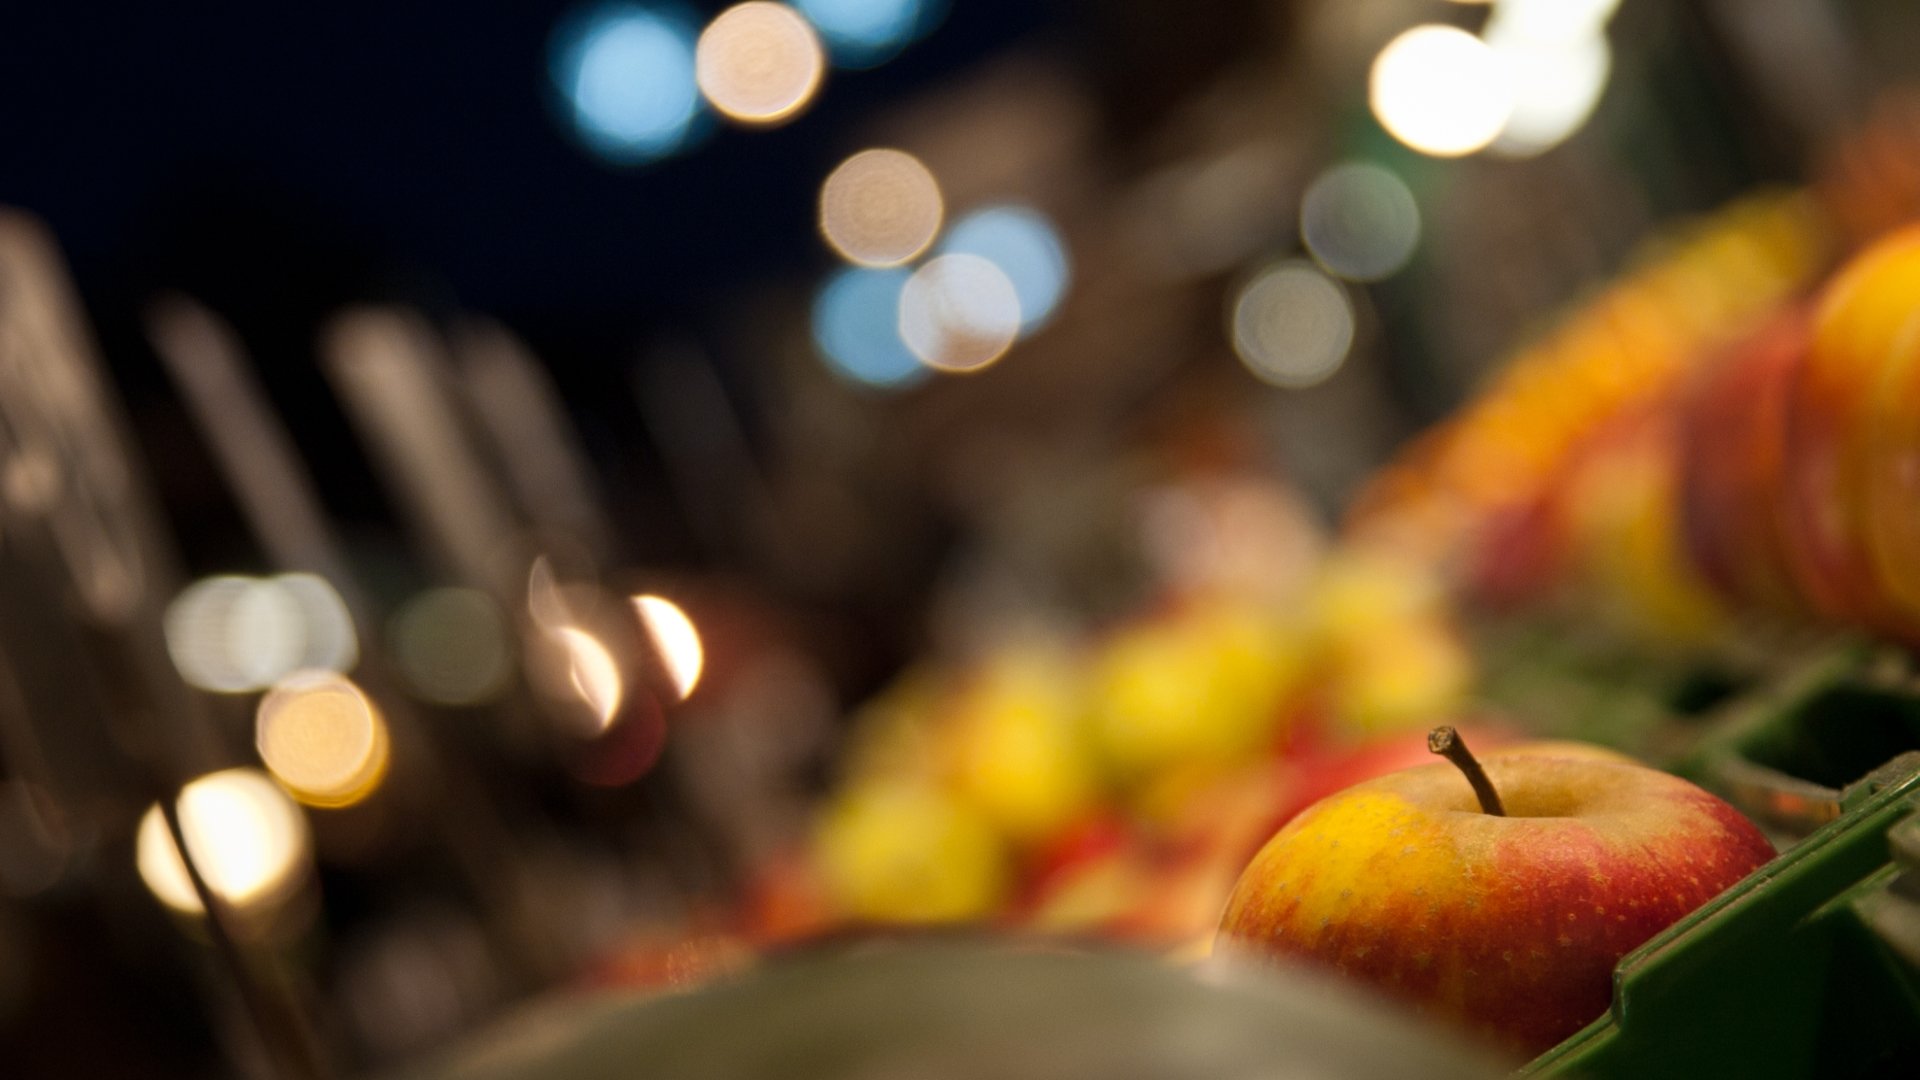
x=1808, y=967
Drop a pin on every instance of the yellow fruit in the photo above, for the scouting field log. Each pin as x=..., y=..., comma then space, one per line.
x=1203, y=687
x=1406, y=676
x=905, y=853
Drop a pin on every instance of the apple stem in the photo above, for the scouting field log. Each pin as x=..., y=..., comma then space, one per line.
x=1446, y=742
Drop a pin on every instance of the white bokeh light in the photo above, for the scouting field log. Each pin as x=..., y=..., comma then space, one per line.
x=246, y=836
x=1559, y=83
x=1359, y=221
x=1023, y=243
x=1441, y=91
x=1291, y=325
x=959, y=312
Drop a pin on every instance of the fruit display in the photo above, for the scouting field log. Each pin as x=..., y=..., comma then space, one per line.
x=1632, y=343
x=878, y=538
x=1116, y=784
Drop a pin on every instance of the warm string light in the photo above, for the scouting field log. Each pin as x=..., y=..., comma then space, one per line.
x=593, y=673
x=675, y=639
x=322, y=738
x=759, y=63
x=1441, y=91
x=247, y=838
x=1527, y=83
x=880, y=207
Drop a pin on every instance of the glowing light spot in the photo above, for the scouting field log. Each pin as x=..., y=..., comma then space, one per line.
x=451, y=646
x=593, y=673
x=759, y=62
x=232, y=634
x=546, y=600
x=880, y=208
x=328, y=641
x=1024, y=245
x=1292, y=325
x=959, y=313
x=856, y=325
x=1441, y=91
x=248, y=839
x=322, y=739
x=674, y=635
x=1550, y=20
x=1558, y=83
x=627, y=73
x=1360, y=221
x=863, y=33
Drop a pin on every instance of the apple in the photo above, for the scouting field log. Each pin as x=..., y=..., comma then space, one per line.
x=1305, y=780
x=1508, y=923
x=1858, y=319
x=1733, y=464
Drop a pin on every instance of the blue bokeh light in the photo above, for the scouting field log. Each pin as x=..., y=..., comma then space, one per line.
x=1024, y=244
x=627, y=75
x=856, y=325
x=864, y=33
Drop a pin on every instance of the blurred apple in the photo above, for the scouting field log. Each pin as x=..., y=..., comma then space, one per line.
x=1733, y=465
x=1859, y=318
x=1202, y=685
x=1013, y=743
x=902, y=852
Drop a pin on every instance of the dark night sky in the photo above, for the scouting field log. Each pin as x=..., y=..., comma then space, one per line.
x=279, y=163
x=222, y=149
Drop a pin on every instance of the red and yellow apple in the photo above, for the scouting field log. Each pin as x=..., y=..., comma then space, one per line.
x=1859, y=318
x=1508, y=924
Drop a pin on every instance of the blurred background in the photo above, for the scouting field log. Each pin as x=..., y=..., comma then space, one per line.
x=547, y=495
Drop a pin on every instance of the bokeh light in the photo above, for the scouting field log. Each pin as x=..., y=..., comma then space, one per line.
x=880, y=208
x=1359, y=221
x=627, y=73
x=451, y=646
x=675, y=638
x=1025, y=246
x=233, y=634
x=759, y=63
x=959, y=313
x=1441, y=91
x=246, y=836
x=863, y=33
x=1558, y=84
x=1550, y=20
x=328, y=641
x=594, y=675
x=856, y=326
x=322, y=739
x=1292, y=326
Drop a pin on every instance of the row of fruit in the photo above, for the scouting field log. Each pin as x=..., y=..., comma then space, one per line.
x=1631, y=343
x=1116, y=785
x=1779, y=477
